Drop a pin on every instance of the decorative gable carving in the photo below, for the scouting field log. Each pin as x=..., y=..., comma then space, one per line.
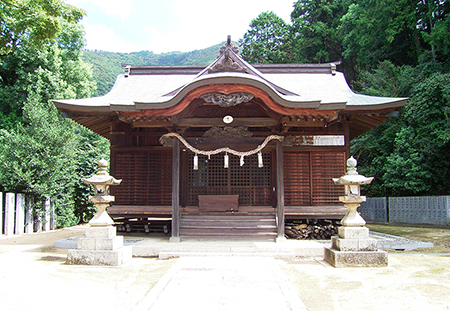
x=226, y=61
x=228, y=100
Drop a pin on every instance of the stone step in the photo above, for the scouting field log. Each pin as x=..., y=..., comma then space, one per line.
x=289, y=255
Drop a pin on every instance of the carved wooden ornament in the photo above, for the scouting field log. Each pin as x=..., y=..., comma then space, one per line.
x=229, y=100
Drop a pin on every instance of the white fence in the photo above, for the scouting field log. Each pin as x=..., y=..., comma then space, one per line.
x=411, y=210
x=18, y=217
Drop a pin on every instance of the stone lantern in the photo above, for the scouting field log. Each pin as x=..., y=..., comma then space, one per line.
x=352, y=198
x=100, y=245
x=101, y=182
x=353, y=247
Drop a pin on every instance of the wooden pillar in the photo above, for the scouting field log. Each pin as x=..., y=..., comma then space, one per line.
x=175, y=191
x=280, y=192
x=347, y=139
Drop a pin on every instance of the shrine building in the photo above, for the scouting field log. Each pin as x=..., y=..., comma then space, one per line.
x=232, y=149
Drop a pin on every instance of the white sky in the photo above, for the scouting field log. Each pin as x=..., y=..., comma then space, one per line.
x=170, y=25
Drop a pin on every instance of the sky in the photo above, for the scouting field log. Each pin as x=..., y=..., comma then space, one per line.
x=170, y=25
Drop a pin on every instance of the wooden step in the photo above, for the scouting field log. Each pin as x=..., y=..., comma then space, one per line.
x=228, y=226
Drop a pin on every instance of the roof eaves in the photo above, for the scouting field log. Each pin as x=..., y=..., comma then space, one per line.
x=365, y=102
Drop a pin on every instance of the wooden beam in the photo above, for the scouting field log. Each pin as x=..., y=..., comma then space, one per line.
x=208, y=122
x=152, y=123
x=218, y=142
x=305, y=121
x=280, y=191
x=175, y=191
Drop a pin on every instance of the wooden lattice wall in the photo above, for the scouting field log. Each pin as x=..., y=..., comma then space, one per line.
x=307, y=178
x=146, y=178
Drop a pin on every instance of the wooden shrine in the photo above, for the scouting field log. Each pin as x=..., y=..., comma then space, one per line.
x=209, y=177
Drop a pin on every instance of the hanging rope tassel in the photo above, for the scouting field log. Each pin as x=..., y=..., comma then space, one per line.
x=225, y=160
x=260, y=160
x=196, y=162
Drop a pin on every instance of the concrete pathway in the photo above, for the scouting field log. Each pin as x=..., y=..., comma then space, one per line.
x=223, y=283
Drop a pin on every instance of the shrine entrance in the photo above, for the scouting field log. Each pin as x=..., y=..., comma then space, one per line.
x=253, y=184
x=234, y=202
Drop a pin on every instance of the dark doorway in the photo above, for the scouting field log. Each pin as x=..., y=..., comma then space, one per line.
x=252, y=183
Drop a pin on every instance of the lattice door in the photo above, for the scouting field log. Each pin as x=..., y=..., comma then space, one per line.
x=252, y=183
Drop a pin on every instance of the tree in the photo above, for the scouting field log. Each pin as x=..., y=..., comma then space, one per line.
x=407, y=155
x=89, y=149
x=267, y=40
x=58, y=65
x=387, y=80
x=43, y=154
x=419, y=163
x=37, y=21
x=36, y=158
x=434, y=17
x=316, y=30
x=402, y=31
x=371, y=149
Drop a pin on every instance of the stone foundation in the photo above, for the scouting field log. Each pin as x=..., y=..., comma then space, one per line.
x=342, y=259
x=354, y=248
x=100, y=246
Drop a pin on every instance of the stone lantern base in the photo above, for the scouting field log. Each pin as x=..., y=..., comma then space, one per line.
x=354, y=248
x=100, y=246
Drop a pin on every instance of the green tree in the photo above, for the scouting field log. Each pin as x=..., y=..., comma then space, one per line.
x=374, y=31
x=36, y=158
x=316, y=29
x=407, y=154
x=419, y=163
x=434, y=23
x=89, y=149
x=371, y=149
x=57, y=64
x=36, y=20
x=267, y=41
x=43, y=154
x=387, y=80
x=396, y=48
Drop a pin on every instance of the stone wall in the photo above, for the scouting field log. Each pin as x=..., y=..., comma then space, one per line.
x=374, y=210
x=411, y=210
